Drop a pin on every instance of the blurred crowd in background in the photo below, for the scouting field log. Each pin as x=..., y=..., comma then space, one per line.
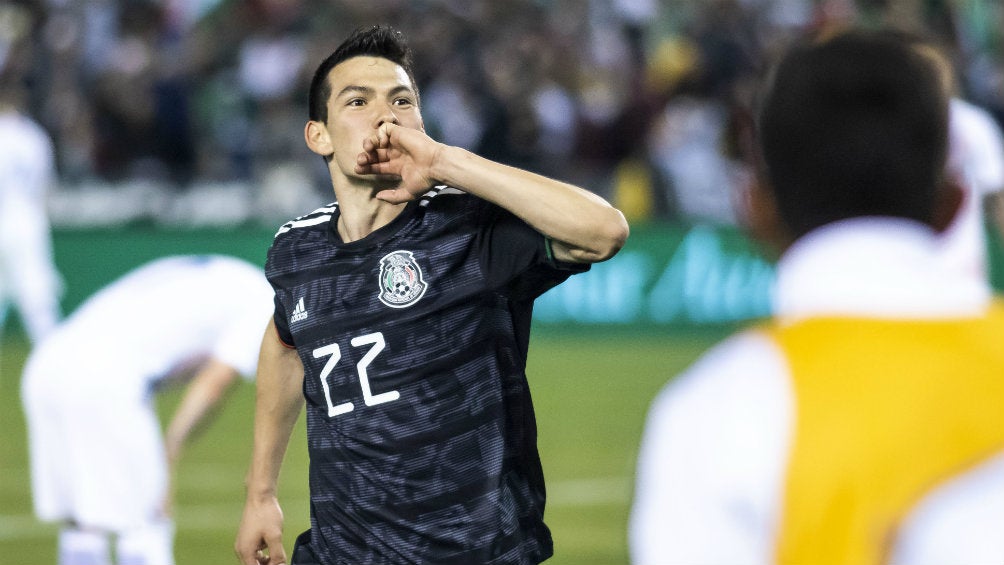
x=192, y=111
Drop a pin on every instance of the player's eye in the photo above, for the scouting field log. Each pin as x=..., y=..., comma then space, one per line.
x=355, y=102
x=403, y=101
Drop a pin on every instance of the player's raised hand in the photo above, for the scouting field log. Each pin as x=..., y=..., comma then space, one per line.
x=259, y=538
x=406, y=153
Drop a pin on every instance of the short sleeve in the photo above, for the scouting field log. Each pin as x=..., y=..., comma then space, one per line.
x=281, y=321
x=519, y=258
x=240, y=344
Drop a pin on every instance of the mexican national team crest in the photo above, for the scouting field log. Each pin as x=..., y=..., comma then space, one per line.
x=401, y=283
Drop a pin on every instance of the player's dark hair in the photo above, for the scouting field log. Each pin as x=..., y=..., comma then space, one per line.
x=855, y=125
x=375, y=41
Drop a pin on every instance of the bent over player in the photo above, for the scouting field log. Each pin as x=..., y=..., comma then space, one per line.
x=402, y=316
x=100, y=464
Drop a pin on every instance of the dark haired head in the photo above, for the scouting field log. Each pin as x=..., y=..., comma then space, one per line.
x=855, y=125
x=376, y=41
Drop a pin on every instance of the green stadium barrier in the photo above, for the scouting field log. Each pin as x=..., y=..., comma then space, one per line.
x=995, y=251
x=90, y=258
x=668, y=275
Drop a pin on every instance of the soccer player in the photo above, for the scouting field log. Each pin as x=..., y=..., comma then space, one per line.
x=976, y=163
x=976, y=156
x=29, y=279
x=402, y=317
x=99, y=463
x=863, y=424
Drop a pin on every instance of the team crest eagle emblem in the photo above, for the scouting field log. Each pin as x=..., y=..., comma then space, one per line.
x=401, y=283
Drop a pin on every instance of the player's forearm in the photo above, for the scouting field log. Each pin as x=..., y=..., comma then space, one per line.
x=202, y=396
x=273, y=428
x=278, y=402
x=270, y=443
x=588, y=225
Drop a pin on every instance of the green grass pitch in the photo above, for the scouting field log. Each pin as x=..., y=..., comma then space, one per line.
x=591, y=392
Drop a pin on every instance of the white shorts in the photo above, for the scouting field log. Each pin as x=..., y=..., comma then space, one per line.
x=97, y=455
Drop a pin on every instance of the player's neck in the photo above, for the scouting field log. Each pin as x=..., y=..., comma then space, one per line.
x=358, y=219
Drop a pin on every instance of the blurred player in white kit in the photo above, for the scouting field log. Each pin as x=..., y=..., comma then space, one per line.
x=28, y=276
x=976, y=159
x=975, y=163
x=99, y=462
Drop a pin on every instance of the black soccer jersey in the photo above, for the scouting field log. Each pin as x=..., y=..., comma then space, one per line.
x=421, y=431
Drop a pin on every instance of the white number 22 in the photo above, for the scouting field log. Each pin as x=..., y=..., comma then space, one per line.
x=334, y=354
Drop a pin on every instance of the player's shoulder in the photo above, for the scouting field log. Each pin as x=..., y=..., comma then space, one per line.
x=313, y=220
x=300, y=241
x=24, y=136
x=973, y=123
x=448, y=204
x=443, y=198
x=745, y=368
x=441, y=193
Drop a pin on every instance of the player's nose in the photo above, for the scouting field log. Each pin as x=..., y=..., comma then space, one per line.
x=385, y=115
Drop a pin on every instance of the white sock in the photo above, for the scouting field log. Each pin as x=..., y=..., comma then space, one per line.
x=83, y=547
x=151, y=544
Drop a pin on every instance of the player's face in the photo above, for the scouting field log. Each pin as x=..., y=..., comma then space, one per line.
x=365, y=93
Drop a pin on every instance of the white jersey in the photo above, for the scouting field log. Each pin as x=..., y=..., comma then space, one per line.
x=28, y=276
x=26, y=166
x=976, y=159
x=168, y=314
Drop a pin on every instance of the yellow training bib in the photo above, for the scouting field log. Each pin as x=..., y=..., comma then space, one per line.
x=885, y=411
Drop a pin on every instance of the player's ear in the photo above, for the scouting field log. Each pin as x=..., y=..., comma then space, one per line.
x=318, y=139
x=948, y=203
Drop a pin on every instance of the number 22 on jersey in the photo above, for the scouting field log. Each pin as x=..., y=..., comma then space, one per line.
x=334, y=354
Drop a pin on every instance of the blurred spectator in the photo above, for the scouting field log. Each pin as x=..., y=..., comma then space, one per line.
x=202, y=94
x=690, y=143
x=140, y=99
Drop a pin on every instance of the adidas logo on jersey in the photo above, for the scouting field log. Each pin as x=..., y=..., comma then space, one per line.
x=299, y=313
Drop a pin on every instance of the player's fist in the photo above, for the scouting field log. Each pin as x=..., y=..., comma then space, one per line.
x=259, y=537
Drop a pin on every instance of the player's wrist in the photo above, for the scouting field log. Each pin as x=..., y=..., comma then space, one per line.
x=256, y=491
x=443, y=163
